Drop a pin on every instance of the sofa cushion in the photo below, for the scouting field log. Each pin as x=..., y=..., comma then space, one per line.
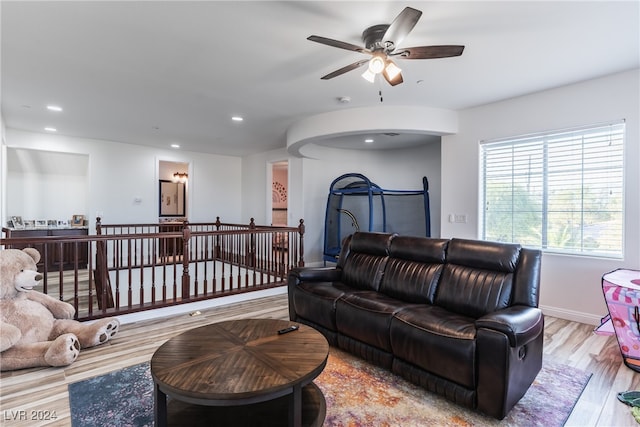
x=365, y=264
x=473, y=292
x=437, y=341
x=413, y=269
x=364, y=271
x=371, y=243
x=366, y=316
x=410, y=281
x=483, y=254
x=430, y=251
x=478, y=277
x=316, y=301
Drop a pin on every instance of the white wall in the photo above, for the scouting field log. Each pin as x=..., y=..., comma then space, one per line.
x=310, y=178
x=3, y=171
x=118, y=174
x=46, y=185
x=256, y=186
x=571, y=286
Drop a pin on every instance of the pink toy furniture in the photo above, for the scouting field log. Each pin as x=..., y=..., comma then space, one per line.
x=621, y=290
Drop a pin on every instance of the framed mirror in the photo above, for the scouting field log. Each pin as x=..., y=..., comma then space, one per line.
x=172, y=198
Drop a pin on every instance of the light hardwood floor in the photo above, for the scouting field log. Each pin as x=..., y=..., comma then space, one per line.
x=45, y=389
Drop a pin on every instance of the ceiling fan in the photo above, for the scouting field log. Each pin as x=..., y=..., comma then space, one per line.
x=381, y=42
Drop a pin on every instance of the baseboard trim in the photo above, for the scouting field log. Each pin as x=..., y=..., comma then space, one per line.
x=574, y=316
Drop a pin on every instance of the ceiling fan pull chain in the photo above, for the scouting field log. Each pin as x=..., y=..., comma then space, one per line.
x=380, y=93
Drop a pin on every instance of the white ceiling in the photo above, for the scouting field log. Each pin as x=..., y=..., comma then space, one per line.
x=160, y=72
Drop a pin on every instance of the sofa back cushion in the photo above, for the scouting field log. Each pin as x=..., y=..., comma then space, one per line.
x=526, y=283
x=344, y=253
x=413, y=269
x=478, y=277
x=366, y=259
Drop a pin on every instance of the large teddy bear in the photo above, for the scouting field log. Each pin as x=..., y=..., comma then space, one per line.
x=37, y=329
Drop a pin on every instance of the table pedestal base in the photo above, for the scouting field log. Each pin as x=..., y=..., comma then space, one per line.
x=273, y=413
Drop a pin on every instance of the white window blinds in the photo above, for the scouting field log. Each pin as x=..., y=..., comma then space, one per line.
x=559, y=191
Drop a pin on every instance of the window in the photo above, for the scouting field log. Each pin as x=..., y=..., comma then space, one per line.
x=558, y=191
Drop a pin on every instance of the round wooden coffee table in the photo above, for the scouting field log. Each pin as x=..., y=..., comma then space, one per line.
x=223, y=367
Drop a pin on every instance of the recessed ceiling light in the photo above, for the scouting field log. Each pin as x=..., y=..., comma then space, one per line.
x=369, y=141
x=237, y=118
x=50, y=129
x=175, y=145
x=54, y=108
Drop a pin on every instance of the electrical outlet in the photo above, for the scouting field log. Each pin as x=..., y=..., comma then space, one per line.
x=460, y=218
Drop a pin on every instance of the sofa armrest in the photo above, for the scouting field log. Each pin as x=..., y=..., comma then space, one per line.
x=314, y=274
x=299, y=275
x=519, y=323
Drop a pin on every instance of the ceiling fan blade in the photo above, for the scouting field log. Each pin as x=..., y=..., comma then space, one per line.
x=430, y=52
x=345, y=69
x=401, y=26
x=338, y=43
x=393, y=81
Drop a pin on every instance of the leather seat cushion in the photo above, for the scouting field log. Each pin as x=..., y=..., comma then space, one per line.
x=366, y=316
x=316, y=301
x=437, y=341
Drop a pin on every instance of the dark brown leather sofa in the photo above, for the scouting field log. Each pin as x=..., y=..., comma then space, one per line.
x=458, y=317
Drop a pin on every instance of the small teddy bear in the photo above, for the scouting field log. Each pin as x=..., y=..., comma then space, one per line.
x=37, y=329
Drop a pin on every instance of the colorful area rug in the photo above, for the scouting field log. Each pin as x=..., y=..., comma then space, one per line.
x=357, y=394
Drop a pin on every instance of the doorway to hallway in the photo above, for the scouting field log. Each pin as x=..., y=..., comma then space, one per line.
x=279, y=193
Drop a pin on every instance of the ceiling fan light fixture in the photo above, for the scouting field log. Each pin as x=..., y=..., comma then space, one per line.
x=376, y=64
x=392, y=70
x=369, y=76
